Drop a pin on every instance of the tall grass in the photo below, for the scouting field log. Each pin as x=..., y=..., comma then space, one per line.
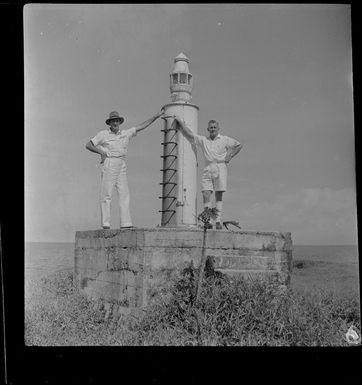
x=243, y=312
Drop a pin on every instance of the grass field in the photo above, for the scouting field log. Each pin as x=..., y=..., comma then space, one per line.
x=317, y=310
x=311, y=276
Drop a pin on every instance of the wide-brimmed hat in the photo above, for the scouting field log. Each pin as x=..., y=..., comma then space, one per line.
x=113, y=116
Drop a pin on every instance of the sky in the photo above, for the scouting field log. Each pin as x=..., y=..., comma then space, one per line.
x=277, y=77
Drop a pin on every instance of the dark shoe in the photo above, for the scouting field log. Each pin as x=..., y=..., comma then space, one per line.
x=127, y=227
x=105, y=227
x=218, y=226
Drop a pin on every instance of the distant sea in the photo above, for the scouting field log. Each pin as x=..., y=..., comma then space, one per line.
x=43, y=258
x=335, y=254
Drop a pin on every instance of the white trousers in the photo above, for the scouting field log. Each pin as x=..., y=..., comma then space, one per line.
x=114, y=175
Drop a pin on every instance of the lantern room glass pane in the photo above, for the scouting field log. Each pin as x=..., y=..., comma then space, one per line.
x=190, y=76
x=174, y=78
x=183, y=78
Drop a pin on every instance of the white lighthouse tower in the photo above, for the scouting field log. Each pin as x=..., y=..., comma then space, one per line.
x=179, y=186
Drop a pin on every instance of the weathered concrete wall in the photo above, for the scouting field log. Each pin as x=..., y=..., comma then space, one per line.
x=125, y=266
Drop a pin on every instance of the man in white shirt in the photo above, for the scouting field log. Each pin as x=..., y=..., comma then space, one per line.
x=112, y=145
x=217, y=150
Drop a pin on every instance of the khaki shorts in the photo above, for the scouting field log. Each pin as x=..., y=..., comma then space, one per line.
x=214, y=177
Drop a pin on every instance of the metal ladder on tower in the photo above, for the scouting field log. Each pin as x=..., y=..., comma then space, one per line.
x=169, y=174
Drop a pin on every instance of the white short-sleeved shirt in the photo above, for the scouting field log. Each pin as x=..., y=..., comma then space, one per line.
x=115, y=145
x=215, y=150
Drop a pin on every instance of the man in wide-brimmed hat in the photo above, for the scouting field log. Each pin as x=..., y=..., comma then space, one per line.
x=112, y=146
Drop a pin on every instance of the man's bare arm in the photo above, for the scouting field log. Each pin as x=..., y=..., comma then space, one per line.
x=145, y=124
x=231, y=152
x=91, y=147
x=186, y=131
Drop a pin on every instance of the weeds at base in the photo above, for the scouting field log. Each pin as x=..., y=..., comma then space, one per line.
x=231, y=312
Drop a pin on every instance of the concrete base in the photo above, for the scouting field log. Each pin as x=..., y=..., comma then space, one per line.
x=125, y=267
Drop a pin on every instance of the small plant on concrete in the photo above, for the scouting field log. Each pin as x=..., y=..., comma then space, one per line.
x=205, y=217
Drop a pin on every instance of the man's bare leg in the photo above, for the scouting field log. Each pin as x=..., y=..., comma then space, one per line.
x=218, y=205
x=206, y=195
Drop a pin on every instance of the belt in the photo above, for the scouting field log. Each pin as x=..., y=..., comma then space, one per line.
x=216, y=162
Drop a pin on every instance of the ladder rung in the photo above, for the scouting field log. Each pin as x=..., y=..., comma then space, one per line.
x=167, y=169
x=167, y=197
x=169, y=183
x=165, y=156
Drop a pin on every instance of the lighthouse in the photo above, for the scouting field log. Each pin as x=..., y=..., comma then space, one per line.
x=179, y=171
